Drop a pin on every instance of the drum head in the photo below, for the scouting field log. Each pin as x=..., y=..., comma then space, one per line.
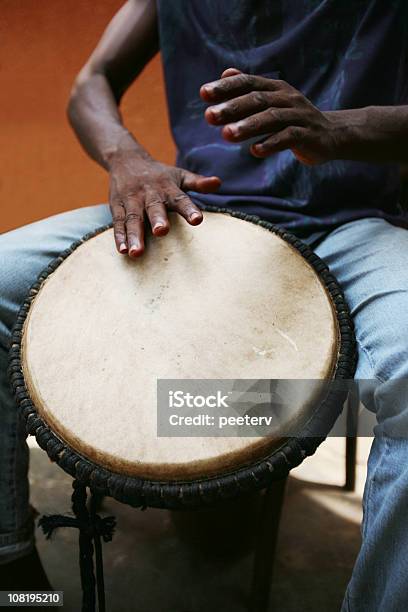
x=227, y=299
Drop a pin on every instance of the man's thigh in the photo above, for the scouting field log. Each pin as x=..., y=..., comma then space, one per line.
x=26, y=251
x=369, y=257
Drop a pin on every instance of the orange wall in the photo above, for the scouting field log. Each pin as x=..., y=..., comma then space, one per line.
x=43, y=170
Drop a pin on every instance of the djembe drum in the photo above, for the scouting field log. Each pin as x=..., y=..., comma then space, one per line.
x=235, y=298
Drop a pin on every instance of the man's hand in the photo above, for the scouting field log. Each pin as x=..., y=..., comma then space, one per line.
x=251, y=106
x=141, y=187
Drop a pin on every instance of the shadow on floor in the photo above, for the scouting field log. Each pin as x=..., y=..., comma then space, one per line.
x=152, y=566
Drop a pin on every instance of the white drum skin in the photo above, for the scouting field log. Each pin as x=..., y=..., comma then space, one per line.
x=226, y=299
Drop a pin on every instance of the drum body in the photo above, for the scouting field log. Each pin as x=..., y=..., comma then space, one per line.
x=234, y=298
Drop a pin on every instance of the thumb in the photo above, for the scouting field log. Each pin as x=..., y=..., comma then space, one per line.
x=196, y=182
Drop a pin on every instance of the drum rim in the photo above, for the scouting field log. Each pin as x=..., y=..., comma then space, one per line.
x=140, y=492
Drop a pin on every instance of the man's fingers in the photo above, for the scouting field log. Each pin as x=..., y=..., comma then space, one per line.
x=196, y=182
x=179, y=201
x=238, y=85
x=134, y=227
x=244, y=106
x=119, y=229
x=288, y=138
x=271, y=120
x=155, y=207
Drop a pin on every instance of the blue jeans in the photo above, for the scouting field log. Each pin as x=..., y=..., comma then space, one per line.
x=370, y=259
x=23, y=254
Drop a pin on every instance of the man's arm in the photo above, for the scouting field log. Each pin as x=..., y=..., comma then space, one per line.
x=139, y=185
x=127, y=45
x=249, y=106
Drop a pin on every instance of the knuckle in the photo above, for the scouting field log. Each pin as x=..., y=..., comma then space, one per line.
x=166, y=187
x=160, y=180
x=154, y=204
x=254, y=123
x=163, y=177
x=133, y=216
x=230, y=110
x=245, y=80
x=267, y=144
x=295, y=133
x=131, y=234
x=281, y=84
x=131, y=202
x=221, y=87
x=296, y=97
x=278, y=99
x=260, y=98
x=118, y=220
x=130, y=194
x=183, y=206
x=274, y=114
x=227, y=85
x=186, y=179
x=182, y=197
x=117, y=211
x=273, y=141
x=119, y=230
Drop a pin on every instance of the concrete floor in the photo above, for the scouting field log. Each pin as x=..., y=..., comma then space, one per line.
x=150, y=567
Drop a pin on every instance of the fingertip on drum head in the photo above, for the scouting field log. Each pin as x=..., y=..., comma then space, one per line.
x=196, y=218
x=160, y=230
x=136, y=251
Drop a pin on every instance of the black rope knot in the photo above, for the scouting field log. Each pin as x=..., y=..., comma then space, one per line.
x=103, y=527
x=50, y=522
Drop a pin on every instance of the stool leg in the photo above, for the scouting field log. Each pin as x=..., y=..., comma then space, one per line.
x=86, y=548
x=95, y=504
x=351, y=460
x=353, y=404
x=265, y=547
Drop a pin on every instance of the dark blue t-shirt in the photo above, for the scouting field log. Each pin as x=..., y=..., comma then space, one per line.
x=341, y=54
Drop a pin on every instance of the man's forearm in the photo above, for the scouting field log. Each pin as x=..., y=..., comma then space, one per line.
x=94, y=114
x=128, y=43
x=374, y=134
